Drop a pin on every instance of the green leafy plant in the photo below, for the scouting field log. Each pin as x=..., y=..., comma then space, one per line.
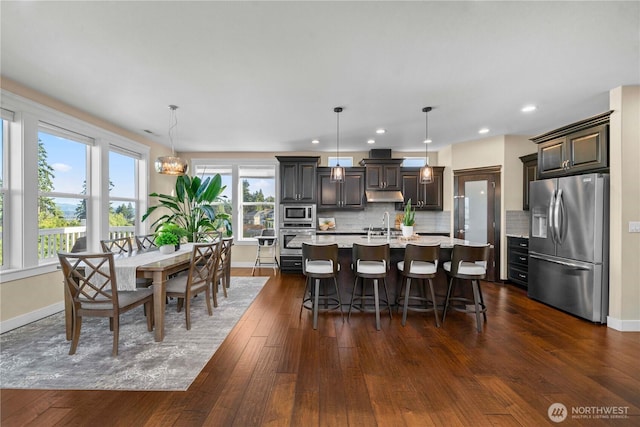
x=167, y=238
x=409, y=218
x=191, y=207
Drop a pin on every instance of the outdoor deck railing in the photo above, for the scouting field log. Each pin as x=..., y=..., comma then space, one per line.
x=54, y=240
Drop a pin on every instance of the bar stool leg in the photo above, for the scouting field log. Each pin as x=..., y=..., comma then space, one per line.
x=376, y=302
x=407, y=289
x=386, y=293
x=353, y=296
x=335, y=282
x=476, y=301
x=435, y=306
x=446, y=301
x=315, y=304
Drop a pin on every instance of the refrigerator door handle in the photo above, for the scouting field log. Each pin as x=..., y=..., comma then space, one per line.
x=550, y=216
x=558, y=218
x=565, y=263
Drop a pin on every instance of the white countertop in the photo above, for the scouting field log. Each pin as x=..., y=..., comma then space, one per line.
x=347, y=241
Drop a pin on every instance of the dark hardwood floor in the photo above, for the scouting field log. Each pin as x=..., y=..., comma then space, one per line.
x=274, y=369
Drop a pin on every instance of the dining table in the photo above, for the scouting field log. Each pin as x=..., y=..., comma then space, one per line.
x=149, y=264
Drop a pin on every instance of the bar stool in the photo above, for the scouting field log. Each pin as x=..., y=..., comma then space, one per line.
x=320, y=262
x=420, y=262
x=370, y=262
x=266, y=253
x=467, y=263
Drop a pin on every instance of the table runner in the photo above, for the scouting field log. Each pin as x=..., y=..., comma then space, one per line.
x=125, y=266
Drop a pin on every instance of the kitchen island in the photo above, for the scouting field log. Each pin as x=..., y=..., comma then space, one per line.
x=397, y=245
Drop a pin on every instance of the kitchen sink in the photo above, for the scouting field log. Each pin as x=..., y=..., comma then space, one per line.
x=378, y=237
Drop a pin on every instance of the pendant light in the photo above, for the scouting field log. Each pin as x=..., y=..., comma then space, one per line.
x=172, y=165
x=426, y=172
x=337, y=172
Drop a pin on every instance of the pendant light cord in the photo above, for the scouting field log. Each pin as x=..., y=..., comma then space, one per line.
x=337, y=110
x=173, y=126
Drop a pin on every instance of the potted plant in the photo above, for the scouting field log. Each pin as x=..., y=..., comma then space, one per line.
x=167, y=242
x=408, y=220
x=191, y=208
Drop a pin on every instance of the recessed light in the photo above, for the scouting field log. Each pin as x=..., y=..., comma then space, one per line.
x=315, y=141
x=371, y=141
x=427, y=141
x=381, y=131
x=529, y=108
x=483, y=130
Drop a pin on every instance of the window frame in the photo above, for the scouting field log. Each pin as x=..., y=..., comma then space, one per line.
x=236, y=191
x=21, y=219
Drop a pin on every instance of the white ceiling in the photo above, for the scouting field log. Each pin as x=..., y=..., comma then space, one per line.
x=265, y=76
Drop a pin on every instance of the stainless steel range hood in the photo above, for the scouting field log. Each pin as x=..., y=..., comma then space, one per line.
x=380, y=196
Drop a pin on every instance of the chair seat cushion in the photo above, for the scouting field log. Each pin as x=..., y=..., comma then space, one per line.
x=178, y=284
x=319, y=266
x=419, y=267
x=467, y=268
x=371, y=267
x=125, y=298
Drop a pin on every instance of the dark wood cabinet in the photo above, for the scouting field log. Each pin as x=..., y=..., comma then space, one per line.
x=577, y=148
x=529, y=174
x=382, y=174
x=298, y=179
x=518, y=260
x=427, y=197
x=345, y=195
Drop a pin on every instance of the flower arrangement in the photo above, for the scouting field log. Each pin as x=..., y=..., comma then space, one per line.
x=409, y=215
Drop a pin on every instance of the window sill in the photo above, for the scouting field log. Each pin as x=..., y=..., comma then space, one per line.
x=24, y=273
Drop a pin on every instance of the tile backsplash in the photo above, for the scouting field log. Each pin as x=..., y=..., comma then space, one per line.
x=426, y=222
x=517, y=223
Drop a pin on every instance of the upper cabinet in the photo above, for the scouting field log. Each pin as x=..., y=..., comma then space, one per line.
x=577, y=148
x=347, y=195
x=382, y=174
x=529, y=173
x=427, y=197
x=298, y=178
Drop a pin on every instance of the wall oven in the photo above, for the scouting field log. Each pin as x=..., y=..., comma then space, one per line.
x=287, y=235
x=298, y=216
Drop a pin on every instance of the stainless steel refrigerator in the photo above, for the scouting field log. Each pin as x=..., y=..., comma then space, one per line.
x=569, y=244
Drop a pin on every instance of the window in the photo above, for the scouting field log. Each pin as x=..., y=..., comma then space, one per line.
x=3, y=184
x=55, y=173
x=413, y=162
x=62, y=189
x=250, y=194
x=258, y=203
x=344, y=161
x=123, y=197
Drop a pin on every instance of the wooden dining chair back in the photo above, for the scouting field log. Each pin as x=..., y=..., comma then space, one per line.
x=117, y=246
x=225, y=265
x=206, y=236
x=196, y=281
x=146, y=242
x=92, y=287
x=420, y=263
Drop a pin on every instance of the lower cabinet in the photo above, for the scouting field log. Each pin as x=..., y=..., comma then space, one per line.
x=518, y=260
x=291, y=264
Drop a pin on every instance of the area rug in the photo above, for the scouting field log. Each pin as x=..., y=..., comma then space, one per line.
x=36, y=356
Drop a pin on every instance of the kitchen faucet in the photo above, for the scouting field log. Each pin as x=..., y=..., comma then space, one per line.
x=386, y=215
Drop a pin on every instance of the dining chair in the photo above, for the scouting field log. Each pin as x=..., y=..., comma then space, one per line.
x=146, y=242
x=91, y=283
x=420, y=263
x=117, y=246
x=197, y=280
x=206, y=236
x=225, y=265
x=467, y=263
x=370, y=262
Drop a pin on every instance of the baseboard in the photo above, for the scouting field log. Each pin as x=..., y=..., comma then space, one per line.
x=623, y=325
x=27, y=318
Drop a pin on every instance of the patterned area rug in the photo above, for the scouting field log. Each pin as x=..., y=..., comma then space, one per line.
x=36, y=356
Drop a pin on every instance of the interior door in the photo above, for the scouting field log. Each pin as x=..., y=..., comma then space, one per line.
x=477, y=211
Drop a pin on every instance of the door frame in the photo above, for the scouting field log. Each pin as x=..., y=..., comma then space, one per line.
x=494, y=173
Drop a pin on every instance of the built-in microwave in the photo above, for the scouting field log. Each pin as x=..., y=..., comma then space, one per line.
x=298, y=215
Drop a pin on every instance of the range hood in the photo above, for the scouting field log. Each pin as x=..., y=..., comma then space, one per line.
x=379, y=196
